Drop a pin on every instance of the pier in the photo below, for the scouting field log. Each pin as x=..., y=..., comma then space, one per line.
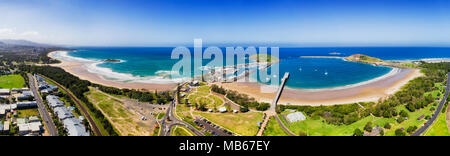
x=280, y=90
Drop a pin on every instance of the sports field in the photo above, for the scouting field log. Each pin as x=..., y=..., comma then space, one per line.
x=11, y=81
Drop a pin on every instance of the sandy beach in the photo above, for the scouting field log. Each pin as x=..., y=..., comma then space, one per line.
x=77, y=69
x=371, y=90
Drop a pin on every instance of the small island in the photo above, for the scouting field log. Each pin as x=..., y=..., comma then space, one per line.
x=112, y=60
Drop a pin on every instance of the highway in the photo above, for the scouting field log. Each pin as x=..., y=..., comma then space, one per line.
x=436, y=113
x=41, y=107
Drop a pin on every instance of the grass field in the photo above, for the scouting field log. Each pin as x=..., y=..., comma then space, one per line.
x=181, y=131
x=439, y=128
x=27, y=113
x=242, y=123
x=319, y=127
x=12, y=81
x=126, y=123
x=274, y=129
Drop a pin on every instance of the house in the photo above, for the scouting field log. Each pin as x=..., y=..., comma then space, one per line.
x=23, y=129
x=5, y=92
x=75, y=127
x=27, y=104
x=20, y=89
x=39, y=78
x=53, y=101
x=25, y=95
x=33, y=119
x=63, y=113
x=6, y=126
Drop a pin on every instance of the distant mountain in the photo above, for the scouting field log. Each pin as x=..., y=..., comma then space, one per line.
x=24, y=43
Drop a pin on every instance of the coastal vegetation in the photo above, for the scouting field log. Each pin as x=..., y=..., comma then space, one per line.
x=399, y=114
x=273, y=128
x=155, y=98
x=242, y=99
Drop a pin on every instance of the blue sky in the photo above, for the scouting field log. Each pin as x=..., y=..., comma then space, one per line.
x=275, y=22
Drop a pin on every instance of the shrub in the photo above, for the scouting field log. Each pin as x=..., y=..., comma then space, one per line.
x=387, y=126
x=358, y=132
x=399, y=132
x=368, y=127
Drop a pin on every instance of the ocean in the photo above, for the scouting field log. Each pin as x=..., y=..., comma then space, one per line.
x=152, y=64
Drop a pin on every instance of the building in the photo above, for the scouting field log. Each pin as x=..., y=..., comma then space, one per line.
x=39, y=78
x=53, y=101
x=20, y=89
x=6, y=126
x=5, y=92
x=27, y=104
x=75, y=127
x=63, y=113
x=297, y=116
x=222, y=109
x=25, y=95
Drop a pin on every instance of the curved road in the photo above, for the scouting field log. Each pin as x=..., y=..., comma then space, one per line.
x=167, y=125
x=436, y=113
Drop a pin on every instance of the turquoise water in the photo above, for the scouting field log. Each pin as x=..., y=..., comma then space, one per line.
x=305, y=73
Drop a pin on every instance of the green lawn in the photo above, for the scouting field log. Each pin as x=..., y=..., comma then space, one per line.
x=319, y=127
x=204, y=89
x=242, y=123
x=11, y=81
x=181, y=131
x=439, y=128
x=27, y=113
x=274, y=129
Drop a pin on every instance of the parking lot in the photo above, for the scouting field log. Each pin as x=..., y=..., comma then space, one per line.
x=211, y=128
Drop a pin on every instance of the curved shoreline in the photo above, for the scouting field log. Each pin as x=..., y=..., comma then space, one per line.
x=79, y=69
x=370, y=90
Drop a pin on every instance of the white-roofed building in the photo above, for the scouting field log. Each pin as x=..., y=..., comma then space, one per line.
x=53, y=101
x=222, y=109
x=5, y=92
x=75, y=127
x=297, y=116
x=25, y=95
x=63, y=113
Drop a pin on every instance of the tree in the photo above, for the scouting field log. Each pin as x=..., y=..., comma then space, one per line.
x=387, y=126
x=368, y=127
x=404, y=114
x=358, y=132
x=411, y=129
x=400, y=132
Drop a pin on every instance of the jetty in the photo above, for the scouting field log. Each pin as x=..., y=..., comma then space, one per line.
x=335, y=57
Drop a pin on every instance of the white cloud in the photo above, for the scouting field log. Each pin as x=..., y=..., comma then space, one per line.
x=8, y=33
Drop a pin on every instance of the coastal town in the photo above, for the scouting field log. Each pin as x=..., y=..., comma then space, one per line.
x=41, y=100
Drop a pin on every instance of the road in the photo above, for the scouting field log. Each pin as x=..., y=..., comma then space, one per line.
x=169, y=120
x=422, y=129
x=86, y=114
x=41, y=107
